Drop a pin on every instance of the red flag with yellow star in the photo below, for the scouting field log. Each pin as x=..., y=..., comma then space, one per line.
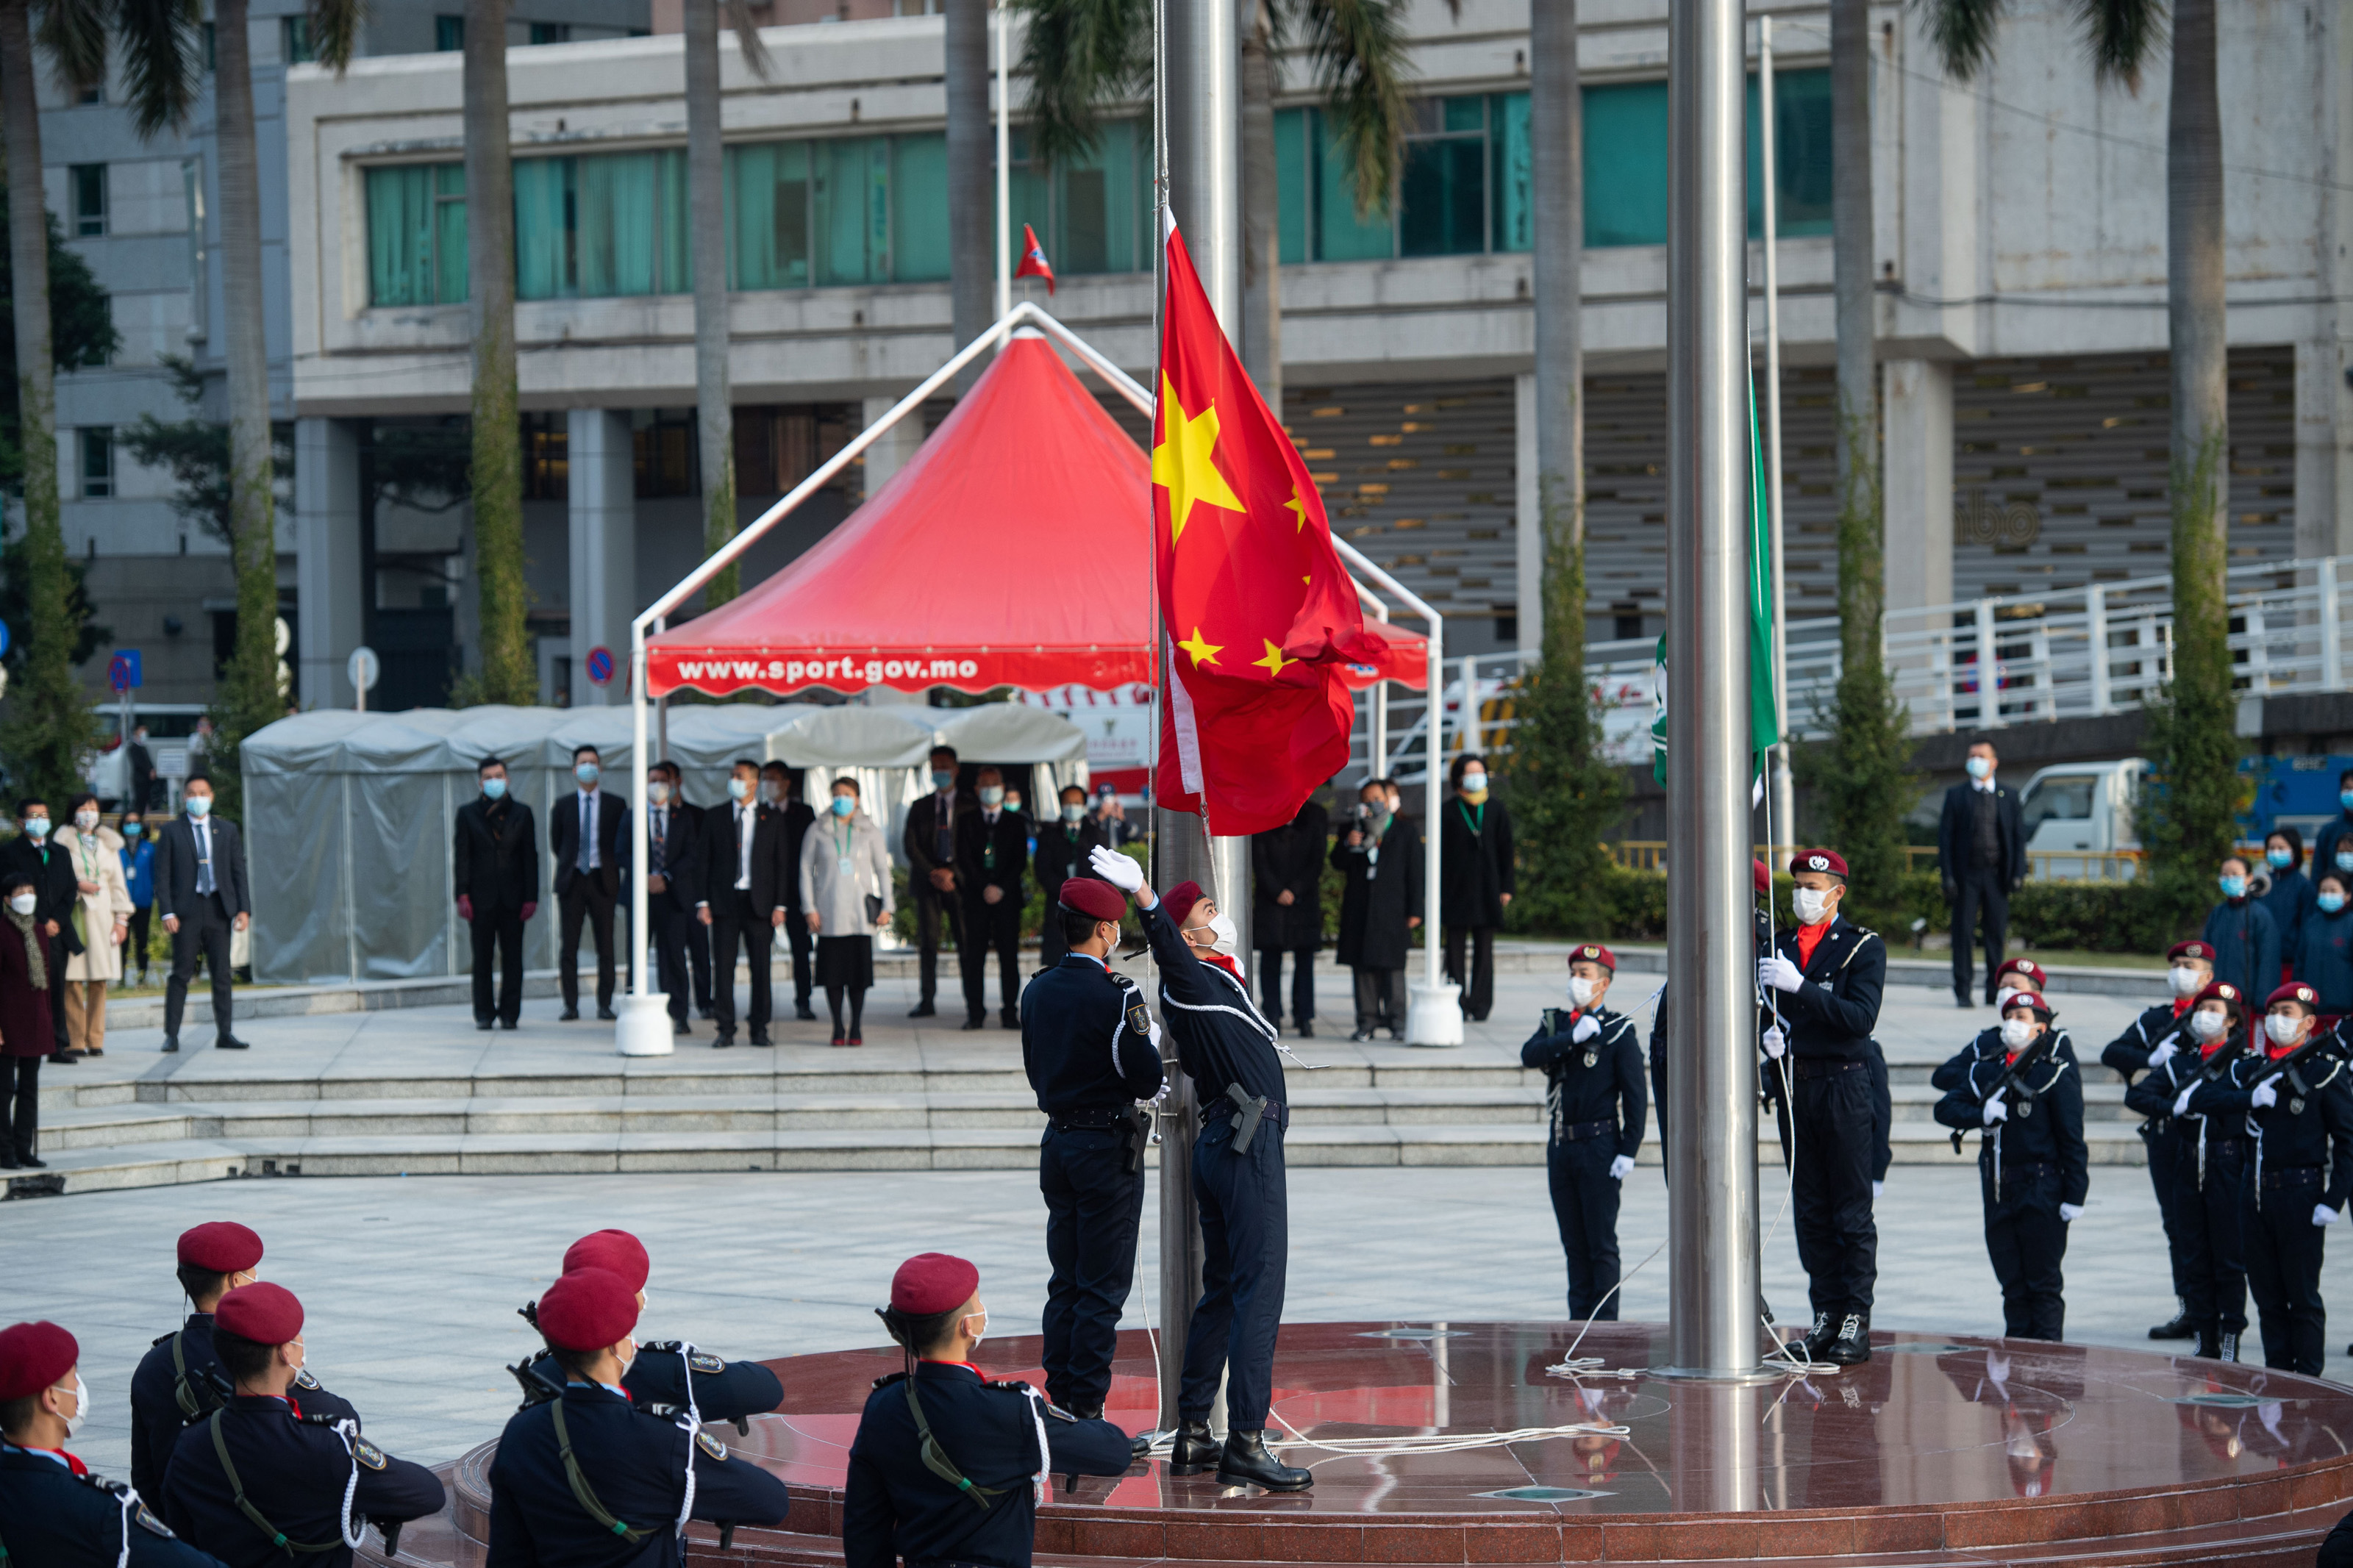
x=1261, y=615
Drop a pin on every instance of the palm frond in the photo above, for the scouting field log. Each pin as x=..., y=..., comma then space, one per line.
x=748, y=44
x=1962, y=32
x=336, y=31
x=1360, y=49
x=2121, y=35
x=163, y=68
x=73, y=34
x=1080, y=55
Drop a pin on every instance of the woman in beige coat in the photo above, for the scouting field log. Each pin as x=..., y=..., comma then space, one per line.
x=846, y=889
x=95, y=853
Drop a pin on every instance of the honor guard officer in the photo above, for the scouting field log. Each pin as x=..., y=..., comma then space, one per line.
x=2299, y=1104
x=261, y=1481
x=585, y=1479
x=1830, y=973
x=179, y=1381
x=948, y=1466
x=1092, y=1052
x=2033, y=1168
x=53, y=1512
x=1229, y=1049
x=2210, y=1157
x=1592, y=1061
x=2017, y=976
x=2189, y=969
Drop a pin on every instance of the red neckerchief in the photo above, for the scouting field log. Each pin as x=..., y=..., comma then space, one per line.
x=1221, y=960
x=2274, y=1050
x=2206, y=1051
x=2008, y=1058
x=71, y=1463
x=1809, y=939
x=2185, y=1005
x=966, y=1364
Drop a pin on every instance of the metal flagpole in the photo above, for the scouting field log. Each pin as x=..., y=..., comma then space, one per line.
x=1712, y=1291
x=1785, y=815
x=1004, y=167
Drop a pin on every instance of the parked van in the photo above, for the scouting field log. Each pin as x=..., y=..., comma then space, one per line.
x=2079, y=820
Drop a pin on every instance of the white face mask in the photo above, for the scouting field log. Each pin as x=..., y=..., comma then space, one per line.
x=2187, y=982
x=1581, y=990
x=629, y=1360
x=2285, y=1028
x=658, y=793
x=1223, y=938
x=981, y=1332
x=82, y=1408
x=25, y=903
x=85, y=820
x=2208, y=1026
x=740, y=788
x=1812, y=904
x=2018, y=1033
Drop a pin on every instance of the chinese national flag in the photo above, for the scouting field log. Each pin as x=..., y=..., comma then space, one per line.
x=1259, y=615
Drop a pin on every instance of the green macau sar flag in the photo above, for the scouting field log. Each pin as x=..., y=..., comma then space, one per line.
x=1764, y=719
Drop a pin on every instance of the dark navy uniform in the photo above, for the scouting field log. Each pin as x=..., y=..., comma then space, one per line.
x=896, y=1508
x=1594, y=1105
x=2209, y=1155
x=681, y=1377
x=2028, y=1165
x=51, y=1517
x=1225, y=1044
x=158, y=1417
x=2128, y=1054
x=2302, y=1156
x=633, y=1464
x=1834, y=1115
x=1087, y=1045
x=297, y=1473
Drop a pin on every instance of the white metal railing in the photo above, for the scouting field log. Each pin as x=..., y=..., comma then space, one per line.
x=2075, y=652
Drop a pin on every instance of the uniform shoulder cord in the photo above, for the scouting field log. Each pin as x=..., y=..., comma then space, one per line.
x=581, y=1491
x=277, y=1536
x=936, y=1458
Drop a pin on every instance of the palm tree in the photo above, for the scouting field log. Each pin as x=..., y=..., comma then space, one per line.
x=706, y=176
x=1557, y=169
x=972, y=271
x=1261, y=269
x=508, y=674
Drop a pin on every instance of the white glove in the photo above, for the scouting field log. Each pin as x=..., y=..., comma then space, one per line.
x=1622, y=1167
x=2264, y=1093
x=1878, y=1191
x=1778, y=973
x=1995, y=1111
x=2182, y=1101
x=1776, y=1042
x=2070, y=1212
x=2323, y=1215
x=2164, y=1053
x=1586, y=1028
x=1116, y=868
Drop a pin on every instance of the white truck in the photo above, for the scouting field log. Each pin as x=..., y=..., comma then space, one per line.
x=2079, y=820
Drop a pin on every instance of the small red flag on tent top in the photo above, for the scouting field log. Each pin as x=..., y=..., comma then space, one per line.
x=1033, y=260
x=1261, y=618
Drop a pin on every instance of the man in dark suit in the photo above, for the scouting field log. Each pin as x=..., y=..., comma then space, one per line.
x=50, y=871
x=588, y=834
x=1287, y=874
x=743, y=895
x=673, y=883
x=776, y=792
x=698, y=935
x=201, y=895
x=139, y=772
x=1063, y=843
x=1982, y=849
x=495, y=869
x=992, y=848
x=930, y=844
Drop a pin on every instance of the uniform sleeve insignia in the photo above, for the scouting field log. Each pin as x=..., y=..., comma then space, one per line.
x=147, y=1521
x=711, y=1445
x=303, y=1379
x=706, y=1364
x=1139, y=1022
x=1059, y=1414
x=368, y=1453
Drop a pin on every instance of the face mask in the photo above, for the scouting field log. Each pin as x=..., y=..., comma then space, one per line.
x=587, y=773
x=2209, y=1025
x=2232, y=887
x=981, y=1332
x=495, y=789
x=1978, y=767
x=2344, y=859
x=1580, y=990
x=2279, y=859
x=772, y=792
x=2345, y=798
x=85, y=820
x=658, y=793
x=739, y=789
x=1223, y=938
x=991, y=797
x=199, y=805
x=1013, y=804
x=843, y=804
x=1812, y=904
x=82, y=1408
x=2331, y=903
x=1474, y=785
x=38, y=827
x=630, y=1360
x=2017, y=1034
x=25, y=903
x=1074, y=813
x=2285, y=1028
x=2188, y=982
x=131, y=830
x=943, y=779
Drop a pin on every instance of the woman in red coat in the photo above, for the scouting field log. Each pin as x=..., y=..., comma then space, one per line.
x=25, y=1035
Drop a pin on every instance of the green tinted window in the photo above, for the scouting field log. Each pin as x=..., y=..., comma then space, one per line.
x=1340, y=234
x=768, y=215
x=1510, y=179
x=853, y=210
x=416, y=233
x=1802, y=153
x=1292, y=184
x=1626, y=164
x=601, y=225
x=1442, y=195
x=919, y=208
x=1090, y=212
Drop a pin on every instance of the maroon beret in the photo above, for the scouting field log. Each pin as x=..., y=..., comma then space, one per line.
x=931, y=1283
x=1829, y=860
x=2204, y=950
x=1594, y=952
x=2025, y=966
x=1179, y=901
x=33, y=1356
x=265, y=1314
x=1764, y=876
x=1087, y=895
x=2030, y=999
x=222, y=1246
x=2224, y=992
x=587, y=1310
x=2294, y=991
x=616, y=1252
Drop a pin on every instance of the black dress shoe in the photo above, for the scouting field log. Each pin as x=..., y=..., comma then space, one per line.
x=1852, y=1346
x=1196, y=1449
x=702, y=1010
x=171, y=1043
x=723, y=1042
x=230, y=1043
x=2182, y=1327
x=1010, y=1017
x=30, y=1163
x=1247, y=1463
x=760, y=1037
x=1961, y=1000
x=679, y=1026
x=570, y=1015
x=1306, y=1031
x=1817, y=1339
x=804, y=1013
x=923, y=1010
x=484, y=1023
x=1362, y=1035
x=66, y=1058
x=606, y=1014
x=510, y=1022
x=975, y=1022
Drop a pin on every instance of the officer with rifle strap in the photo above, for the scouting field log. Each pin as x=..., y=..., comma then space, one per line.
x=2189, y=970
x=2209, y=1155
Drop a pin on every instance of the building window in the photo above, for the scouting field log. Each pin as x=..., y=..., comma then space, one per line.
x=1092, y=211
x=96, y=462
x=416, y=233
x=601, y=225
x=211, y=45
x=546, y=467
x=88, y=184
x=667, y=458
x=448, y=33
x=294, y=40
x=91, y=94
x=860, y=209
x=551, y=32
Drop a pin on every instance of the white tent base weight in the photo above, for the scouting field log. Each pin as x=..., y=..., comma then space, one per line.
x=1433, y=1014
x=645, y=1028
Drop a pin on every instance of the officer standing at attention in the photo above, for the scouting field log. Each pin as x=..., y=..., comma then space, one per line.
x=1229, y=1049
x=674, y=1372
x=1830, y=973
x=53, y=1512
x=2033, y=1169
x=948, y=1466
x=582, y=1477
x=2298, y=1105
x=2210, y=1158
x=2189, y=969
x=1592, y=1061
x=179, y=1380
x=261, y=1480
x=1092, y=1051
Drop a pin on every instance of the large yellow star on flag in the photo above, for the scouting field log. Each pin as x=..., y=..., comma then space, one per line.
x=1273, y=661
x=1202, y=652
x=1184, y=462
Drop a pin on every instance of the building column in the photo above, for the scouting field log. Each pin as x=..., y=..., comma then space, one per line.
x=604, y=538
x=330, y=599
x=1527, y=502
x=1917, y=483
x=2324, y=449
x=889, y=454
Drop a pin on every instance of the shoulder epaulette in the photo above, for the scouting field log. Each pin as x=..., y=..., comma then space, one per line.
x=664, y=1345
x=159, y=1339
x=1013, y=1384
x=882, y=1383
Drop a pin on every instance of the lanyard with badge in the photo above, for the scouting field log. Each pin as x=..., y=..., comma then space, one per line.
x=843, y=839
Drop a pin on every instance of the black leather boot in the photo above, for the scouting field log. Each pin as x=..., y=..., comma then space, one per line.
x=2229, y=1348
x=1195, y=1452
x=1853, y=1345
x=2182, y=1326
x=1817, y=1339
x=2210, y=1342
x=1247, y=1463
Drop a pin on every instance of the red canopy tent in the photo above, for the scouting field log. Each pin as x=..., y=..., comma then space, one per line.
x=1015, y=549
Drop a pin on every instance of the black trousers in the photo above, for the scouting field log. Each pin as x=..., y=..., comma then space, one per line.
x=1379, y=1005
x=734, y=924
x=56, y=947
x=1246, y=1242
x=937, y=916
x=796, y=934
x=1830, y=1120
x=204, y=931
x=1585, y=1207
x=134, y=952
x=20, y=1085
x=1094, y=1208
x=1479, y=988
x=2027, y=1242
x=498, y=938
x=670, y=926
x=2284, y=1250
x=591, y=897
x=1303, y=982
x=991, y=928
x=2163, y=1140
x=2213, y=1245
x=1979, y=891
x=698, y=963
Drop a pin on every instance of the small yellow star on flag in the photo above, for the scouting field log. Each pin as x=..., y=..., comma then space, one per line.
x=1273, y=661
x=1202, y=652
